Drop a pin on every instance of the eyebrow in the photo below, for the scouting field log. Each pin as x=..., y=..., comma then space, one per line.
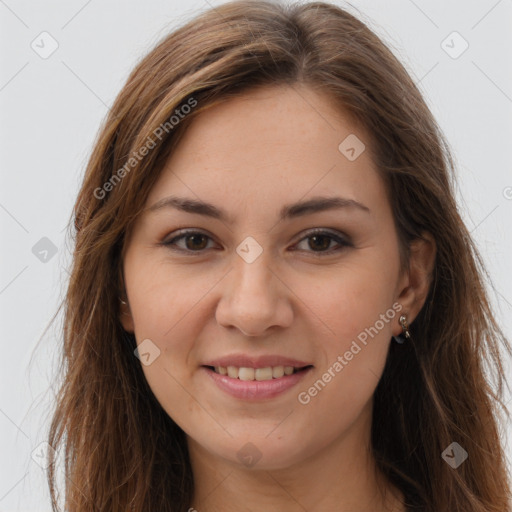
x=314, y=205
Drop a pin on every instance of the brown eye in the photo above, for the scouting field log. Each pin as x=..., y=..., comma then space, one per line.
x=195, y=241
x=320, y=241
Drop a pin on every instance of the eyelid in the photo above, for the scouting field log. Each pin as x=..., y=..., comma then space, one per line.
x=343, y=240
x=340, y=238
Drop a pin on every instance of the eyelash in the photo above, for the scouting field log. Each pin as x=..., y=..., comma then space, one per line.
x=316, y=232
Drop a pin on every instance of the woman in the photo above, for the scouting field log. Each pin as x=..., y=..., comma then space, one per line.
x=218, y=357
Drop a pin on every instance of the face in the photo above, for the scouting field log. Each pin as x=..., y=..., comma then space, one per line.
x=318, y=288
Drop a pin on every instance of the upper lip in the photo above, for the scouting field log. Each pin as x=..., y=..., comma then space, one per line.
x=263, y=361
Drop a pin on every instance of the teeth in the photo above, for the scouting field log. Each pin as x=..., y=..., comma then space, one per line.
x=268, y=373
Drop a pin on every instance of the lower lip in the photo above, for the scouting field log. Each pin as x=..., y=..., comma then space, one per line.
x=254, y=389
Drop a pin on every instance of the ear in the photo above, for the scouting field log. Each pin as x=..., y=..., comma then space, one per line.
x=414, y=284
x=125, y=316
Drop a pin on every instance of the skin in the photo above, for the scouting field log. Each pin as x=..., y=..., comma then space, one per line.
x=250, y=156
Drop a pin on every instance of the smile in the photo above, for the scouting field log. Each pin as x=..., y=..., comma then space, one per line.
x=255, y=383
x=259, y=374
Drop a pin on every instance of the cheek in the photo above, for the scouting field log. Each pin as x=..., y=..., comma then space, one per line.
x=164, y=307
x=162, y=298
x=357, y=311
x=167, y=306
x=353, y=301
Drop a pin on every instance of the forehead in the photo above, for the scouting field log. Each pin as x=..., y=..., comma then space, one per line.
x=269, y=147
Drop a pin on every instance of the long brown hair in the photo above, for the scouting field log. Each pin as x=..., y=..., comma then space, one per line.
x=121, y=450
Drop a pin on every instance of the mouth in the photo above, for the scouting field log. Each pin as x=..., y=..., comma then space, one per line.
x=256, y=384
x=257, y=374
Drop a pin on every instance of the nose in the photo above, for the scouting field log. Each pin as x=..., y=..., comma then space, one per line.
x=254, y=298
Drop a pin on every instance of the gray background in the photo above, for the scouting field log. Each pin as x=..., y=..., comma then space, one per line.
x=52, y=108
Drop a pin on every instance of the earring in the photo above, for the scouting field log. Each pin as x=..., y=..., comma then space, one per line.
x=406, y=333
x=122, y=301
